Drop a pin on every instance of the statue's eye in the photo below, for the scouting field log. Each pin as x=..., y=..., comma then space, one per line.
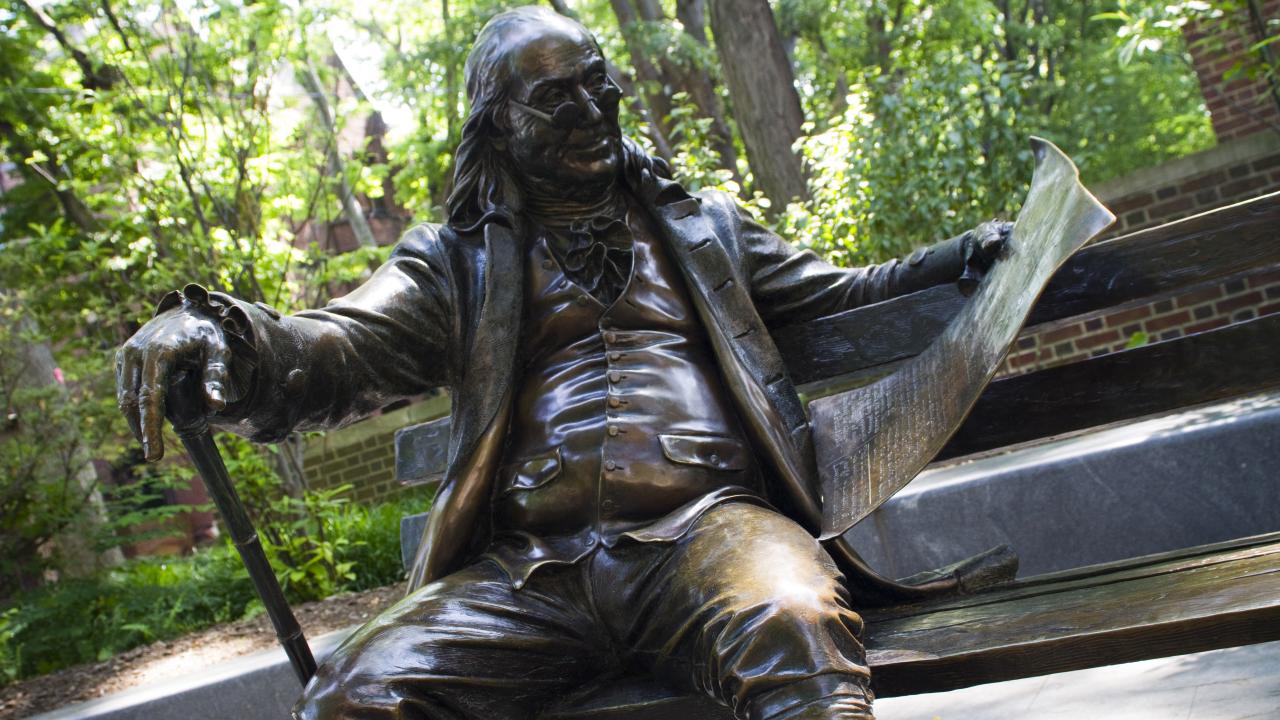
x=551, y=99
x=596, y=83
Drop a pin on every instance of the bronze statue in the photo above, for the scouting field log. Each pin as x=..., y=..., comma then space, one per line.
x=631, y=481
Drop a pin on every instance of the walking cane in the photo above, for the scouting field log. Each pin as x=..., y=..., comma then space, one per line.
x=186, y=410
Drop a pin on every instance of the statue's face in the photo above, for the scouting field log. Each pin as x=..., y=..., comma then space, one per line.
x=563, y=118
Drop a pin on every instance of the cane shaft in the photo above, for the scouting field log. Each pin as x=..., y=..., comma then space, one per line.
x=204, y=454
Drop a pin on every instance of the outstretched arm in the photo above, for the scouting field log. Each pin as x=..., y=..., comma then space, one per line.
x=265, y=374
x=790, y=285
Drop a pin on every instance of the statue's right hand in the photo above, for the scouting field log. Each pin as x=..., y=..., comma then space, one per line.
x=177, y=340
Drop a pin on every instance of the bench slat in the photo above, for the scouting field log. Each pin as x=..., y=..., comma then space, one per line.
x=1154, y=609
x=1236, y=360
x=1161, y=260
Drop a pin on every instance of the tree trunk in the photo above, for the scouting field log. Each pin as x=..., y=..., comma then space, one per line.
x=346, y=195
x=698, y=83
x=765, y=100
x=653, y=84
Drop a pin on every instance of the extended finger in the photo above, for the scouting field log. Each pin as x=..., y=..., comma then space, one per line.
x=215, y=375
x=155, y=378
x=128, y=377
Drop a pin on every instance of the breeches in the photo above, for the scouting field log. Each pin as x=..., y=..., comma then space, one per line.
x=747, y=607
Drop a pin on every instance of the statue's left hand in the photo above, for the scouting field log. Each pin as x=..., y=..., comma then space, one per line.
x=983, y=245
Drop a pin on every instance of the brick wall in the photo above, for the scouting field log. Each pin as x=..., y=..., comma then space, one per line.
x=364, y=453
x=1229, y=173
x=1244, y=104
x=1199, y=309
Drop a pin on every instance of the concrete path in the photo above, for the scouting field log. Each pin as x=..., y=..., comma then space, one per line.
x=1234, y=684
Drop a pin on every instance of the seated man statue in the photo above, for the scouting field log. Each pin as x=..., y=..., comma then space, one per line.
x=631, y=478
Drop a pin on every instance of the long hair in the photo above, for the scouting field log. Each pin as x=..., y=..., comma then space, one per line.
x=483, y=187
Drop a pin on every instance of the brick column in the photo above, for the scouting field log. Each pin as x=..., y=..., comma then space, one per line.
x=1242, y=105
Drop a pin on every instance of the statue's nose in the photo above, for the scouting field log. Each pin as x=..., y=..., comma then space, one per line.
x=590, y=106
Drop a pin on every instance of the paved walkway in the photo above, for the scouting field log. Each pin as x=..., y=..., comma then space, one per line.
x=1234, y=684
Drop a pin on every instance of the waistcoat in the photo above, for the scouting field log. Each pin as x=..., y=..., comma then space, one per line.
x=622, y=426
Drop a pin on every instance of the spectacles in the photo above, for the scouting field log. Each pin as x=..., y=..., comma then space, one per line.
x=569, y=115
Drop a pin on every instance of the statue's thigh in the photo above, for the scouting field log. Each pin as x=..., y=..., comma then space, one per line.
x=746, y=602
x=466, y=646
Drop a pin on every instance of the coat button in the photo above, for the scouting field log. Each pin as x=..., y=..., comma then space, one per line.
x=611, y=337
x=615, y=377
x=613, y=431
x=548, y=264
x=715, y=460
x=583, y=299
x=615, y=356
x=610, y=465
x=615, y=402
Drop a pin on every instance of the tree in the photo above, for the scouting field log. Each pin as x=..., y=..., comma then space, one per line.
x=764, y=95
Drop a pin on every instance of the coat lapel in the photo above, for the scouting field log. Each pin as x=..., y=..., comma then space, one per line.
x=487, y=375
x=749, y=360
x=481, y=407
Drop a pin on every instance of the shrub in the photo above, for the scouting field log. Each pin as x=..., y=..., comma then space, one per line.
x=90, y=619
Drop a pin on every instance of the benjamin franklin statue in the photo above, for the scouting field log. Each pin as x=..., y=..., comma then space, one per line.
x=631, y=483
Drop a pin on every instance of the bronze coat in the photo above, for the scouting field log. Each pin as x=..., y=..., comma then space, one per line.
x=446, y=311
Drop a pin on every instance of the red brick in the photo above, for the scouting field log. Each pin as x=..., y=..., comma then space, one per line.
x=1132, y=202
x=1199, y=295
x=1203, y=182
x=1128, y=316
x=1266, y=277
x=1269, y=309
x=1230, y=305
x=1231, y=123
x=1166, y=209
x=1267, y=163
x=1022, y=360
x=1207, y=197
x=1211, y=324
x=1164, y=323
x=1242, y=186
x=1066, y=332
x=1045, y=355
x=1101, y=338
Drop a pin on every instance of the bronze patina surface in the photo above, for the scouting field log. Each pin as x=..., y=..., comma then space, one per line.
x=631, y=485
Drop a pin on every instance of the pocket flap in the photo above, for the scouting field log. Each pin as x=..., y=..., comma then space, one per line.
x=720, y=453
x=534, y=472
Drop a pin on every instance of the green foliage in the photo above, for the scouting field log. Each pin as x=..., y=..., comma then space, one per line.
x=90, y=619
x=931, y=138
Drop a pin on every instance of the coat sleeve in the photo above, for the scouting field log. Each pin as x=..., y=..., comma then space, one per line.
x=790, y=285
x=388, y=339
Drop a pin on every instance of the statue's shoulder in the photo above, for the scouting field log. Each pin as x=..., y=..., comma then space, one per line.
x=423, y=239
x=435, y=241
